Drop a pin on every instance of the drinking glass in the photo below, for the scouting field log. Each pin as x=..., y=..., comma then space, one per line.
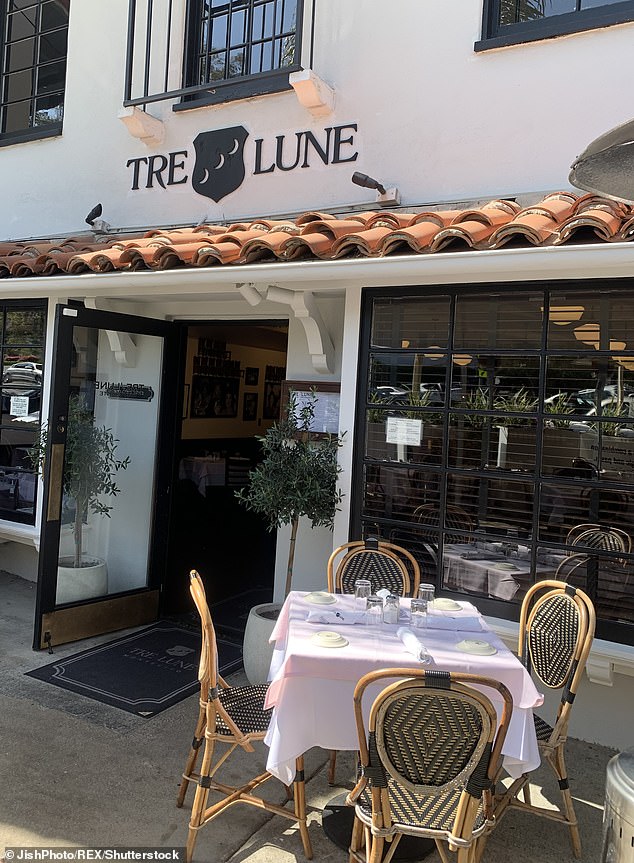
x=362, y=589
x=374, y=611
x=426, y=593
x=418, y=613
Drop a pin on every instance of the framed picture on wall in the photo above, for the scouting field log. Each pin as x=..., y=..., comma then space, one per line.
x=214, y=397
x=326, y=419
x=249, y=407
x=272, y=398
x=251, y=376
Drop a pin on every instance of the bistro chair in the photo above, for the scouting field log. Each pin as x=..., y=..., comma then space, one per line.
x=455, y=519
x=556, y=631
x=428, y=761
x=235, y=718
x=599, y=537
x=388, y=566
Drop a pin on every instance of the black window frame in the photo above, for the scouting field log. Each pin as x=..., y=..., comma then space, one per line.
x=6, y=306
x=31, y=132
x=364, y=523
x=495, y=35
x=238, y=87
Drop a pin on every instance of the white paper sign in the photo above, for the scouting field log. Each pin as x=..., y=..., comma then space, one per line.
x=404, y=431
x=19, y=406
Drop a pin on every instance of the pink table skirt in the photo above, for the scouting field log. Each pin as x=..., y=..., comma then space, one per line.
x=312, y=687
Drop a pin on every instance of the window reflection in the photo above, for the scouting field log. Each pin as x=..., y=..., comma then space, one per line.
x=495, y=425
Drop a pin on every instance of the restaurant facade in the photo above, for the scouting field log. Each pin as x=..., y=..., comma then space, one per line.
x=230, y=201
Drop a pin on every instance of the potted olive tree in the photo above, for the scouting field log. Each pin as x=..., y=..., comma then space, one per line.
x=297, y=478
x=90, y=468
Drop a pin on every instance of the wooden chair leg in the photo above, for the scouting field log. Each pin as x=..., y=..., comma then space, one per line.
x=559, y=766
x=299, y=792
x=200, y=802
x=377, y=844
x=192, y=758
x=332, y=764
x=356, y=839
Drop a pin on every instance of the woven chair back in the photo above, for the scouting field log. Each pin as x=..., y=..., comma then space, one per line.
x=455, y=519
x=383, y=569
x=388, y=566
x=556, y=631
x=601, y=538
x=430, y=734
x=401, y=725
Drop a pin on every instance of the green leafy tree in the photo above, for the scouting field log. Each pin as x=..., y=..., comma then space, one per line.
x=90, y=467
x=297, y=476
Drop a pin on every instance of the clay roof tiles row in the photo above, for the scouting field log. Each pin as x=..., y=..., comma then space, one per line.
x=560, y=217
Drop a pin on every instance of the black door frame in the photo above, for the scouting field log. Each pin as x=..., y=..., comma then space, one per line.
x=143, y=602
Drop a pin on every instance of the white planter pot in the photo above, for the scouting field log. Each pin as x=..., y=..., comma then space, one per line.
x=85, y=582
x=257, y=652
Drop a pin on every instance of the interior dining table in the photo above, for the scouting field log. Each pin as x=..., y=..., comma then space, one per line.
x=203, y=471
x=311, y=686
x=490, y=571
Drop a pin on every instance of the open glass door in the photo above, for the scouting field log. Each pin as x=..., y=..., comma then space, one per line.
x=110, y=438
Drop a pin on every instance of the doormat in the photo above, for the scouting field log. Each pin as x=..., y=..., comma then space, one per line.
x=143, y=673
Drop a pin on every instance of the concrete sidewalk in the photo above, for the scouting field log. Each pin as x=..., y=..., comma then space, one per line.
x=74, y=772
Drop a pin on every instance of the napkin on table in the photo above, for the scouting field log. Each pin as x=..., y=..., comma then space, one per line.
x=413, y=645
x=453, y=622
x=337, y=617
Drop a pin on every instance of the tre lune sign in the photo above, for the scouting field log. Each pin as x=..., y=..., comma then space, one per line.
x=221, y=158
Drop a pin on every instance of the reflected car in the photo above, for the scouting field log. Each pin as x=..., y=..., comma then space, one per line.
x=436, y=393
x=23, y=371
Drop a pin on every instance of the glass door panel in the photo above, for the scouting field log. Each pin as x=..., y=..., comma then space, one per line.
x=108, y=467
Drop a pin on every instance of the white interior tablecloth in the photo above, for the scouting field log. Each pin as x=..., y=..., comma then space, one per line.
x=311, y=687
x=488, y=576
x=202, y=471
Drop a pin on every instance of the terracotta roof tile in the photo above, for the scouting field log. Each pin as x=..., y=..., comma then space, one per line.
x=559, y=218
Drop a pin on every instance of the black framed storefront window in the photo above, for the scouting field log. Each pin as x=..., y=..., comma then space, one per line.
x=493, y=425
x=22, y=343
x=241, y=47
x=33, y=45
x=507, y=22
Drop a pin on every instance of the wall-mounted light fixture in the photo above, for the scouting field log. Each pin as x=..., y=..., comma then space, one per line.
x=387, y=197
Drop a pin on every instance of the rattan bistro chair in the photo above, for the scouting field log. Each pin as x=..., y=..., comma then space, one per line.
x=387, y=565
x=428, y=759
x=599, y=537
x=556, y=631
x=235, y=718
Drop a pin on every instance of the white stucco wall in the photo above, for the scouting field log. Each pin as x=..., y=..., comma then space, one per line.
x=434, y=118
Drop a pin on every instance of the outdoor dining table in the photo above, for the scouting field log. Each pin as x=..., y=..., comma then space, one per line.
x=311, y=687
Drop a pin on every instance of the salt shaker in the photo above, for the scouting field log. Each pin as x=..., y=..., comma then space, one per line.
x=390, y=609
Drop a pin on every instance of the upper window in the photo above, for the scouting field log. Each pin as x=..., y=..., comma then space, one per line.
x=241, y=47
x=33, y=43
x=507, y=22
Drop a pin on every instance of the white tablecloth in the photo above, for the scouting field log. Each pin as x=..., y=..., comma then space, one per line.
x=203, y=471
x=489, y=576
x=312, y=687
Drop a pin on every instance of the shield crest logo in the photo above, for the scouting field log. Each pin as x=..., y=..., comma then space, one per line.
x=219, y=168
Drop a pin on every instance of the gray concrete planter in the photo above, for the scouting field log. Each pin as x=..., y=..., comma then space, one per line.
x=257, y=652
